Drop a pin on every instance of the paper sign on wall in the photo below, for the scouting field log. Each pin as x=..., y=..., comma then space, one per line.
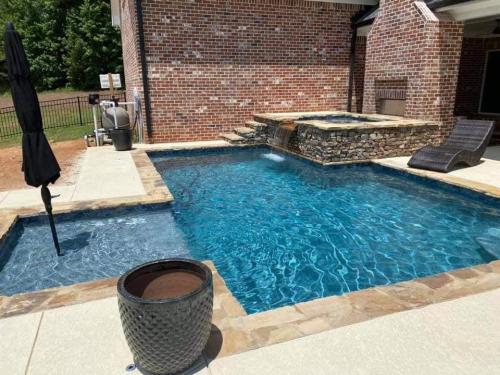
x=104, y=78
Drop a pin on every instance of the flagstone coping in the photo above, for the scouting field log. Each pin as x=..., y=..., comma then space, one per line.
x=240, y=332
x=382, y=121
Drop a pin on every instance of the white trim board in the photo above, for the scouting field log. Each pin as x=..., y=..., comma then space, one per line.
x=472, y=9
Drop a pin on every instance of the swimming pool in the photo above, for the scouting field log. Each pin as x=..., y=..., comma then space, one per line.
x=279, y=229
x=282, y=230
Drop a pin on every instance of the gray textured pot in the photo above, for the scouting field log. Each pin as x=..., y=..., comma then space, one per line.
x=166, y=336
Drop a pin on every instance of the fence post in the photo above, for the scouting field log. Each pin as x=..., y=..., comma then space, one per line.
x=80, y=111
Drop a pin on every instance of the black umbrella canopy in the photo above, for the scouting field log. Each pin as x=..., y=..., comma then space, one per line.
x=39, y=163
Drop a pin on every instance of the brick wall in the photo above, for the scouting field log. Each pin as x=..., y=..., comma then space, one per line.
x=130, y=47
x=408, y=43
x=214, y=63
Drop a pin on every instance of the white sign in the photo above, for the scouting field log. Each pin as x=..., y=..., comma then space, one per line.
x=104, y=78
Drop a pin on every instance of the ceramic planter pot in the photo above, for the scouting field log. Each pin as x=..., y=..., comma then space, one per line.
x=166, y=312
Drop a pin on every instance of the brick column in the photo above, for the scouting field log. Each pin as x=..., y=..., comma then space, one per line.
x=409, y=43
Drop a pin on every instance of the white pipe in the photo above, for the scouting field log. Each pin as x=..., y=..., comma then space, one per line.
x=96, y=128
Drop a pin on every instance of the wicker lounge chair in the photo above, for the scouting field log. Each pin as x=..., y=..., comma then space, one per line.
x=465, y=145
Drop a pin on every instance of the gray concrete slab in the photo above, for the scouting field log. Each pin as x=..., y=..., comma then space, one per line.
x=3, y=194
x=451, y=338
x=31, y=197
x=81, y=339
x=106, y=174
x=17, y=337
x=84, y=339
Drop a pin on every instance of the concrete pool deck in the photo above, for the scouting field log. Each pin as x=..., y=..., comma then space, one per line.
x=484, y=178
x=456, y=337
x=104, y=174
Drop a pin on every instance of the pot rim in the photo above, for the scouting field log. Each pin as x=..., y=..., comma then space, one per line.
x=125, y=293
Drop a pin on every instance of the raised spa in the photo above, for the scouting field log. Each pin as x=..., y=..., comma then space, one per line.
x=336, y=136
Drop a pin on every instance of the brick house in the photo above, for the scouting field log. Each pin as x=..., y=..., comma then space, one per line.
x=205, y=66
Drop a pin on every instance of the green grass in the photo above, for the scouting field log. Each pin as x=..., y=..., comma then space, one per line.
x=6, y=92
x=61, y=122
x=53, y=135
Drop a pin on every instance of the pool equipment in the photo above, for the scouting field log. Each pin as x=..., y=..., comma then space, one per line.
x=115, y=121
x=115, y=118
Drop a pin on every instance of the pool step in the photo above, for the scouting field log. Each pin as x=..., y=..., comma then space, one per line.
x=232, y=138
x=255, y=125
x=252, y=133
x=245, y=132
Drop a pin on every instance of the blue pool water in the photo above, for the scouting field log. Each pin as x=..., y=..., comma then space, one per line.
x=280, y=230
x=96, y=244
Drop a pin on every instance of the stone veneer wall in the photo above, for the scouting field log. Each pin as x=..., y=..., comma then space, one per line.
x=407, y=42
x=213, y=63
x=328, y=146
x=363, y=144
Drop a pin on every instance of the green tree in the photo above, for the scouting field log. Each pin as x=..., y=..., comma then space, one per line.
x=92, y=44
x=66, y=41
x=41, y=25
x=4, y=17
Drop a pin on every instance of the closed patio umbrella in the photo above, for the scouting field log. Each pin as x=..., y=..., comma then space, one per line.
x=39, y=163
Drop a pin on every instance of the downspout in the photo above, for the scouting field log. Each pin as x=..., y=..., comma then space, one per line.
x=144, y=66
x=351, y=67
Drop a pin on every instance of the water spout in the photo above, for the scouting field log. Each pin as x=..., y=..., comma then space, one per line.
x=282, y=135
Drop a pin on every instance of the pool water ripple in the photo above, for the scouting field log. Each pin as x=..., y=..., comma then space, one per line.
x=96, y=245
x=281, y=230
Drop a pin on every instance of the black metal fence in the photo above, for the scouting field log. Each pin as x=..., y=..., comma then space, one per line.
x=58, y=113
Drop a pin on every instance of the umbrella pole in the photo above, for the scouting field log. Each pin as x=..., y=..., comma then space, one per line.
x=47, y=201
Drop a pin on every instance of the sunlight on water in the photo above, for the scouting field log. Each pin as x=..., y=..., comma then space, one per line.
x=274, y=157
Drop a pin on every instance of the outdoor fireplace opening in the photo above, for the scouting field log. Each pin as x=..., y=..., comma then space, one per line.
x=390, y=96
